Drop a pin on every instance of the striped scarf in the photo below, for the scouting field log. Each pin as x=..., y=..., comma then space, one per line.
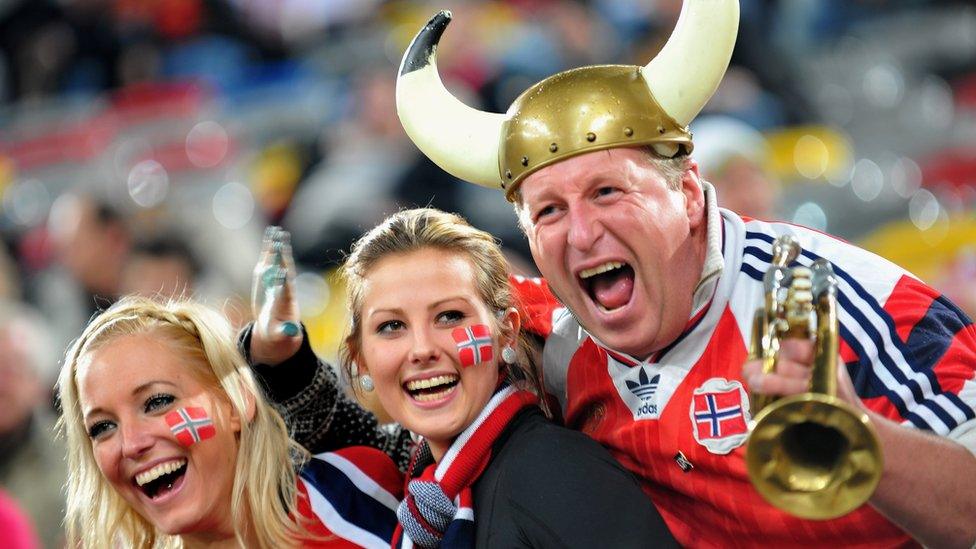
x=436, y=511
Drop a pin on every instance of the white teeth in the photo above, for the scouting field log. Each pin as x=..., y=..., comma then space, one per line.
x=430, y=382
x=434, y=396
x=608, y=266
x=163, y=468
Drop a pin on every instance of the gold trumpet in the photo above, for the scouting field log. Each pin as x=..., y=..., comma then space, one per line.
x=811, y=455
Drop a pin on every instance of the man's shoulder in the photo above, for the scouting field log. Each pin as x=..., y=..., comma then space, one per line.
x=536, y=303
x=862, y=269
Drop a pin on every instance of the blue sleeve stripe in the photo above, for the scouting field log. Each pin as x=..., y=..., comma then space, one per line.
x=886, y=359
x=932, y=336
x=350, y=502
x=868, y=384
x=967, y=409
x=940, y=412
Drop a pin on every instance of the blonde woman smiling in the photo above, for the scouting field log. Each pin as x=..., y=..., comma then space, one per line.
x=172, y=444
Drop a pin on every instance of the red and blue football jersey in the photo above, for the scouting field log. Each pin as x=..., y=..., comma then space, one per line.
x=678, y=420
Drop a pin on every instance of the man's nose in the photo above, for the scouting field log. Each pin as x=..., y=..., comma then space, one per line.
x=584, y=228
x=424, y=348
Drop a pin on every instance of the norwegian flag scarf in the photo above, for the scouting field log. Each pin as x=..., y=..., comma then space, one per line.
x=436, y=511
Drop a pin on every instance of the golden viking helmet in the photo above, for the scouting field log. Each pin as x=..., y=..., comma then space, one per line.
x=573, y=112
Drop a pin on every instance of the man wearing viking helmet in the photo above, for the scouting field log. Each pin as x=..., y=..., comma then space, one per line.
x=647, y=351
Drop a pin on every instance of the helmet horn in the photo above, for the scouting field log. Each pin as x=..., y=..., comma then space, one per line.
x=461, y=140
x=687, y=71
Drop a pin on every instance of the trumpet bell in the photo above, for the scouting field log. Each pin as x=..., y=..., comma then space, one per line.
x=814, y=455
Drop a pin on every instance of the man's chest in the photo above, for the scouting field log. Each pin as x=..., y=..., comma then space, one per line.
x=692, y=402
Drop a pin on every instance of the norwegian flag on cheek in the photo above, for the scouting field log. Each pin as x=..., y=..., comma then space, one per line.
x=473, y=344
x=190, y=425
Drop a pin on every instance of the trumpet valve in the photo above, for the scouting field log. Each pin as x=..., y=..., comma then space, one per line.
x=801, y=318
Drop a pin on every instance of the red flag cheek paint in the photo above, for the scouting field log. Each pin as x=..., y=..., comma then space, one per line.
x=474, y=344
x=190, y=425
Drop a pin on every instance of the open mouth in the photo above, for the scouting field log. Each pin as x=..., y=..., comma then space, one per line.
x=610, y=285
x=433, y=388
x=161, y=479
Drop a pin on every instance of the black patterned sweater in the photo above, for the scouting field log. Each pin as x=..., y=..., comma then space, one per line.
x=320, y=415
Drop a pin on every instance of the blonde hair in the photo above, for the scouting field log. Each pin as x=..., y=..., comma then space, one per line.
x=264, y=493
x=424, y=228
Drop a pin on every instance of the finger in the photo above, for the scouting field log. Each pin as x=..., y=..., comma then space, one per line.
x=287, y=258
x=269, y=233
x=264, y=256
x=268, y=241
x=798, y=350
x=775, y=384
x=287, y=263
x=751, y=369
x=793, y=369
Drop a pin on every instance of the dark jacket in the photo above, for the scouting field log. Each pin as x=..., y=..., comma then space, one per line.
x=548, y=486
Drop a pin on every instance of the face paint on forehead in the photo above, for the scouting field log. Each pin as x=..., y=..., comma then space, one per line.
x=474, y=344
x=190, y=425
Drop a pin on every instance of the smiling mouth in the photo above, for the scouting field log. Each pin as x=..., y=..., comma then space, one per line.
x=431, y=389
x=159, y=480
x=610, y=285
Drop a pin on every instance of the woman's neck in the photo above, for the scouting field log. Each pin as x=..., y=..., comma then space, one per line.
x=210, y=541
x=438, y=449
x=217, y=540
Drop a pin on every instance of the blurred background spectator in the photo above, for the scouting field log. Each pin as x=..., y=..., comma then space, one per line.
x=144, y=144
x=16, y=526
x=32, y=468
x=162, y=265
x=734, y=157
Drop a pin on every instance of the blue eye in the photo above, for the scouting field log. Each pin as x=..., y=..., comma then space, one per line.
x=99, y=429
x=390, y=326
x=157, y=401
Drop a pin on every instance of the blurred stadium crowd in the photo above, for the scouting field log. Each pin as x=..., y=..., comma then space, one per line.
x=144, y=145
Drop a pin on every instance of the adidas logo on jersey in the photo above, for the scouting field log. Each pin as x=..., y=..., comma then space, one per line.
x=644, y=389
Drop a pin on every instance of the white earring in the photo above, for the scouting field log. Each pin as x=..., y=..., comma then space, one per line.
x=508, y=355
x=366, y=383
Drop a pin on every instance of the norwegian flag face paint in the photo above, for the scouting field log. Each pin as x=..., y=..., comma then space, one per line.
x=473, y=344
x=190, y=425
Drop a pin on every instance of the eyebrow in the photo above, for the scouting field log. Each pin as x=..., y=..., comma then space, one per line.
x=135, y=391
x=433, y=305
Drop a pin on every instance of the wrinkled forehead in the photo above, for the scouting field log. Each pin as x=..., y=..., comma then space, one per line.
x=578, y=173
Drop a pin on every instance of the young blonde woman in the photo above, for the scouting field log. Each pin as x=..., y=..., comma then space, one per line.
x=435, y=334
x=171, y=444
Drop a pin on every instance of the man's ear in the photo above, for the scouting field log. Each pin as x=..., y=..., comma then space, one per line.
x=694, y=193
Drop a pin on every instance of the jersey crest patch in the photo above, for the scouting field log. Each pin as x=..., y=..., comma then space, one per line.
x=720, y=415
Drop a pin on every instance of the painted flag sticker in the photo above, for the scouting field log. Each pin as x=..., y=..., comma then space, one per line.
x=473, y=344
x=190, y=425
